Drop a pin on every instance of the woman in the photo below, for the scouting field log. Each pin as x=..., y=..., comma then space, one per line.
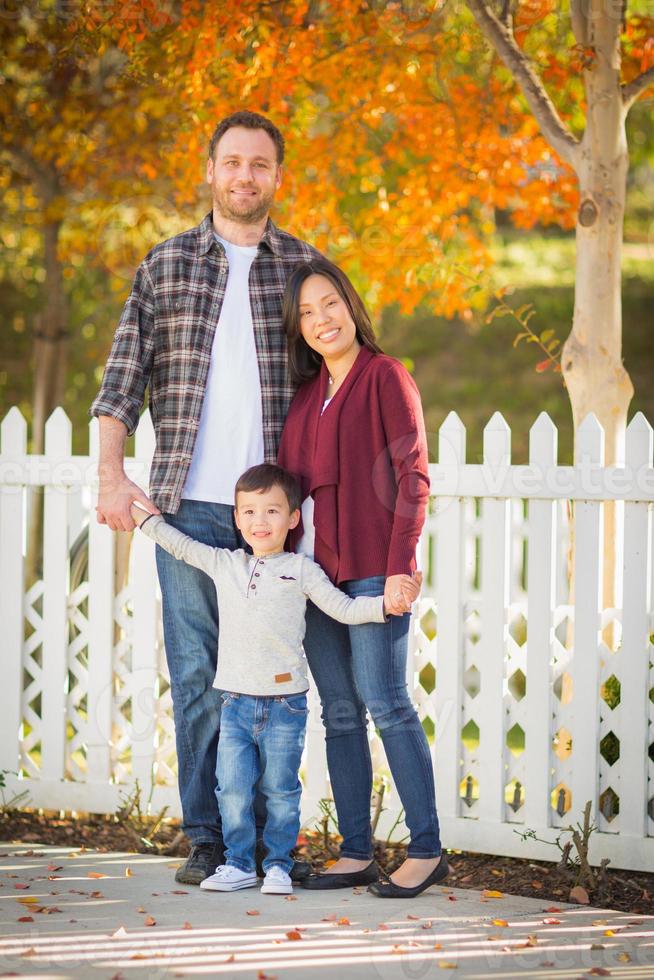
x=355, y=438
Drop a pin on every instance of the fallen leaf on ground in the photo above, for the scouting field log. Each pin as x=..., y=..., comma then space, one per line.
x=293, y=935
x=537, y=885
x=547, y=963
x=29, y=952
x=128, y=873
x=344, y=921
x=187, y=925
x=427, y=925
x=624, y=957
x=290, y=898
x=579, y=895
x=27, y=900
x=416, y=917
x=383, y=926
x=438, y=945
x=500, y=922
x=490, y=893
x=149, y=921
x=600, y=922
x=253, y=912
x=55, y=867
x=25, y=918
x=96, y=874
x=494, y=871
x=451, y=898
x=599, y=971
x=553, y=908
x=178, y=892
x=446, y=965
x=552, y=922
x=597, y=946
x=21, y=886
x=140, y=909
x=120, y=933
x=611, y=932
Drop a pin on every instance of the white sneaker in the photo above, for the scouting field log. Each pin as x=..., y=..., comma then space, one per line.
x=277, y=882
x=227, y=878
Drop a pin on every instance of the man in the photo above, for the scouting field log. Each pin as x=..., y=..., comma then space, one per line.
x=202, y=330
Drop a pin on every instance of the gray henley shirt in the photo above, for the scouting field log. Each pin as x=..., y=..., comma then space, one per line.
x=261, y=605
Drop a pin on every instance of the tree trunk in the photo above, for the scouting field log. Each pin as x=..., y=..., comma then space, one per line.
x=50, y=357
x=591, y=359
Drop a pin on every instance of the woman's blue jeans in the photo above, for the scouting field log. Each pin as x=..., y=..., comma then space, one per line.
x=364, y=667
x=190, y=621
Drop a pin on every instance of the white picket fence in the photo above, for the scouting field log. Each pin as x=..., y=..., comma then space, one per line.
x=533, y=704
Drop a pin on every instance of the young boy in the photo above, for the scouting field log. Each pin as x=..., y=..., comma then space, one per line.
x=262, y=671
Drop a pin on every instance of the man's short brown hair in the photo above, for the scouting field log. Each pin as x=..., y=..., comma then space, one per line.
x=250, y=120
x=266, y=475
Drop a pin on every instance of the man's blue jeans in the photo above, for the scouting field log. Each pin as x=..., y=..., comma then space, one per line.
x=364, y=667
x=261, y=741
x=190, y=621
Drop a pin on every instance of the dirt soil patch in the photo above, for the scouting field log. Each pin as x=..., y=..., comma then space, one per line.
x=628, y=891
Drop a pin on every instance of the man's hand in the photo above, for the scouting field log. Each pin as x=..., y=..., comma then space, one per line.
x=400, y=591
x=115, y=503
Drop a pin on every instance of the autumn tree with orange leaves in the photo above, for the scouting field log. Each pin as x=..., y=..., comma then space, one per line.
x=405, y=134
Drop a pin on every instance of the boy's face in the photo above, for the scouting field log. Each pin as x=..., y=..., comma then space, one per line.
x=264, y=518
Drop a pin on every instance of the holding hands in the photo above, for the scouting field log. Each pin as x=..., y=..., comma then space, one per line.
x=400, y=592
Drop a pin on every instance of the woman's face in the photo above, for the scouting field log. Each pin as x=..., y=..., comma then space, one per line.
x=325, y=319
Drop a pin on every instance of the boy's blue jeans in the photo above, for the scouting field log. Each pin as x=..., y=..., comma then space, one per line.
x=260, y=747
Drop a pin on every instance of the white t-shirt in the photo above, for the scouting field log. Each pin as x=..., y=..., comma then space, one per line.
x=307, y=543
x=230, y=433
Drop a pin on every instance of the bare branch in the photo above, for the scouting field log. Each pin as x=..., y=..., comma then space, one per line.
x=551, y=124
x=632, y=90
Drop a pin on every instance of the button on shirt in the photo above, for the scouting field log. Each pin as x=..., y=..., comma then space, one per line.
x=164, y=342
x=261, y=608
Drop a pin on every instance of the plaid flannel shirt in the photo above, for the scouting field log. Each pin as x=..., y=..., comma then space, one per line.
x=164, y=341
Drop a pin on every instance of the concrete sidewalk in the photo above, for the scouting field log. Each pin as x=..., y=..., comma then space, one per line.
x=89, y=914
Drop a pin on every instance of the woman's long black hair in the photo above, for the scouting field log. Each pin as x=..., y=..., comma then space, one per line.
x=304, y=363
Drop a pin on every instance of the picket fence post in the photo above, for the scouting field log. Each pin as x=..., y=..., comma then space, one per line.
x=495, y=557
x=635, y=652
x=588, y=547
x=541, y=602
x=58, y=439
x=13, y=442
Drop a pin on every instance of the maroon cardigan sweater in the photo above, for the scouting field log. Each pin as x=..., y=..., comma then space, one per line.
x=364, y=461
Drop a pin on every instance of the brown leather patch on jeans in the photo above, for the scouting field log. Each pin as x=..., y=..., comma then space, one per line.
x=283, y=678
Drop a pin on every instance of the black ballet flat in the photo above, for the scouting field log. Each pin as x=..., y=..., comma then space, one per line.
x=343, y=880
x=385, y=888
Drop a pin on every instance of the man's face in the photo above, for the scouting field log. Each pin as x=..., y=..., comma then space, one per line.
x=264, y=518
x=244, y=175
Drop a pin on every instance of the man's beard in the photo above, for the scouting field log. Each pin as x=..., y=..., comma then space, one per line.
x=245, y=214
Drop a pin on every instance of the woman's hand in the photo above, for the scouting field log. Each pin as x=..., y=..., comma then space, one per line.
x=400, y=591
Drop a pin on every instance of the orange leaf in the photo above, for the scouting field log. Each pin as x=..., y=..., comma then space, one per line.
x=489, y=893
x=252, y=912
x=500, y=922
x=96, y=874
x=543, y=365
x=344, y=922
x=149, y=921
x=293, y=935
x=187, y=925
x=579, y=895
x=25, y=918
